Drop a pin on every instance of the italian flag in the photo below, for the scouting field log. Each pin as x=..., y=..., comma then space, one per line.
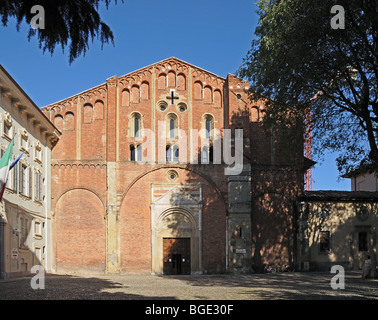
x=4, y=168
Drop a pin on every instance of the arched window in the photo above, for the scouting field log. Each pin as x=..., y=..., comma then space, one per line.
x=69, y=121
x=175, y=153
x=135, y=153
x=172, y=126
x=125, y=98
x=135, y=94
x=162, y=81
x=208, y=125
x=99, y=110
x=144, y=91
x=132, y=153
x=218, y=98
x=88, y=113
x=197, y=90
x=172, y=153
x=135, y=125
x=168, y=155
x=208, y=128
x=181, y=82
x=208, y=95
x=255, y=114
x=139, y=152
x=171, y=79
x=205, y=155
x=211, y=154
x=58, y=122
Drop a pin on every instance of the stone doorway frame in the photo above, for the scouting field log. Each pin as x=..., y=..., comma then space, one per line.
x=176, y=215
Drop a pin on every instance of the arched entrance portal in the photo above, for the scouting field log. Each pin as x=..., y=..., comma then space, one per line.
x=176, y=229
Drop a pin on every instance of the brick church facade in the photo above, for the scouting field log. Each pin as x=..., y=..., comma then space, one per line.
x=112, y=213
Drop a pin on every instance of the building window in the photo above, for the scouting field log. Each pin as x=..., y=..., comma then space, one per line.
x=208, y=129
x=24, y=139
x=37, y=229
x=182, y=107
x=175, y=153
x=162, y=105
x=7, y=129
x=25, y=180
x=24, y=142
x=172, y=175
x=132, y=153
x=7, y=126
x=172, y=153
x=324, y=241
x=207, y=154
x=15, y=176
x=168, y=154
x=38, y=153
x=136, y=153
x=38, y=186
x=139, y=152
x=362, y=241
x=136, y=125
x=172, y=126
x=208, y=125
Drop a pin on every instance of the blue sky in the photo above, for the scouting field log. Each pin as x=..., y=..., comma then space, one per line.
x=213, y=34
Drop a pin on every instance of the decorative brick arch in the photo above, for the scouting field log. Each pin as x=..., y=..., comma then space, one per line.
x=139, y=213
x=80, y=232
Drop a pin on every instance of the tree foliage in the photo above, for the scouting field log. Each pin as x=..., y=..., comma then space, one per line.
x=67, y=23
x=298, y=62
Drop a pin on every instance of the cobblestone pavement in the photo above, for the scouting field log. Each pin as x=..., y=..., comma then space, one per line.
x=286, y=286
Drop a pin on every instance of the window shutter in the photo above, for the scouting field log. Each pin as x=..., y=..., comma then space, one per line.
x=21, y=184
x=36, y=186
x=30, y=194
x=40, y=186
x=15, y=175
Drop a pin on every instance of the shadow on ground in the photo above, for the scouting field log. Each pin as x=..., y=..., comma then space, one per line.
x=289, y=286
x=279, y=286
x=67, y=287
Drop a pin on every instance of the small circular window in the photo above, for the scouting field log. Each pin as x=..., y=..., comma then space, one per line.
x=162, y=105
x=172, y=175
x=182, y=107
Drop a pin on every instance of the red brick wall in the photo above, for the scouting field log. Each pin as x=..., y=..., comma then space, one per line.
x=135, y=224
x=80, y=232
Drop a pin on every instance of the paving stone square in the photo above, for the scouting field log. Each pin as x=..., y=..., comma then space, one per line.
x=277, y=286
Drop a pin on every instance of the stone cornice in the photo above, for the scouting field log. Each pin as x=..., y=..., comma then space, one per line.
x=21, y=103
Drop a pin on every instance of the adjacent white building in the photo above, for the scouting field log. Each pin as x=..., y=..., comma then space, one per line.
x=25, y=210
x=363, y=180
